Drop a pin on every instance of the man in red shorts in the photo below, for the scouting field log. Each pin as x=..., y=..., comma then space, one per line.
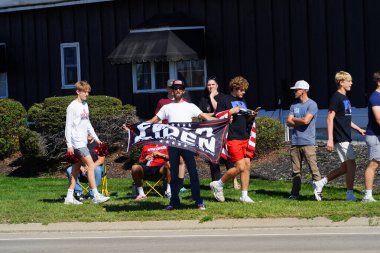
x=237, y=139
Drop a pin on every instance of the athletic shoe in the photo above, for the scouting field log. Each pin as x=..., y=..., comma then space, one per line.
x=237, y=185
x=140, y=197
x=201, y=206
x=246, y=199
x=217, y=191
x=79, y=196
x=183, y=189
x=370, y=199
x=100, y=199
x=317, y=189
x=293, y=197
x=351, y=198
x=72, y=201
x=169, y=208
x=168, y=194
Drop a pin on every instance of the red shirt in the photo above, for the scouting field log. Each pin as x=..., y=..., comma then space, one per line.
x=149, y=149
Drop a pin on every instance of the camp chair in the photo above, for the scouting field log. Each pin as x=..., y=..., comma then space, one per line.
x=103, y=182
x=151, y=184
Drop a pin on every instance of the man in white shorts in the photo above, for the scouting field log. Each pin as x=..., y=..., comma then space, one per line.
x=372, y=139
x=339, y=126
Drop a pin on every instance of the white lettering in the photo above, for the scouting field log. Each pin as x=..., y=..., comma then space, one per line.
x=188, y=137
x=142, y=127
x=207, y=144
x=208, y=131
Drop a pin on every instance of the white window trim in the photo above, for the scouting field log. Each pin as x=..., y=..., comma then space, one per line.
x=77, y=47
x=6, y=85
x=172, y=75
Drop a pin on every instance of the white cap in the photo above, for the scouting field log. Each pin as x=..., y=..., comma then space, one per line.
x=301, y=85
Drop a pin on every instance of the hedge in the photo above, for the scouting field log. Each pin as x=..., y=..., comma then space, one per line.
x=107, y=114
x=12, y=116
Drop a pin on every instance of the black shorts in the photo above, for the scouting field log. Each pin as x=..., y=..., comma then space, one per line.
x=151, y=171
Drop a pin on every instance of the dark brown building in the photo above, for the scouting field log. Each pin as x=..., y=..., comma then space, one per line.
x=45, y=46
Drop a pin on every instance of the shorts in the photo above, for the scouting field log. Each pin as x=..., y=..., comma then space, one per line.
x=237, y=150
x=345, y=151
x=373, y=144
x=82, y=152
x=151, y=171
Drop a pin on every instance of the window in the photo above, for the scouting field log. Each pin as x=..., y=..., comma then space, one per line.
x=3, y=71
x=3, y=85
x=70, y=64
x=152, y=76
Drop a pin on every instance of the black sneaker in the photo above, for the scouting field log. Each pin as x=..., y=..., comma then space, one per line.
x=293, y=197
x=78, y=196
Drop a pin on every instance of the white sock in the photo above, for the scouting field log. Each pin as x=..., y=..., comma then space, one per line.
x=324, y=180
x=220, y=183
x=70, y=193
x=244, y=194
x=350, y=193
x=367, y=194
x=140, y=190
x=95, y=192
x=168, y=189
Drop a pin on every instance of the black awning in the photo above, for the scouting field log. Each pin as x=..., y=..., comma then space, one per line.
x=152, y=47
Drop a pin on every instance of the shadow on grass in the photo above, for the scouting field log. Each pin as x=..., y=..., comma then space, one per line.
x=142, y=206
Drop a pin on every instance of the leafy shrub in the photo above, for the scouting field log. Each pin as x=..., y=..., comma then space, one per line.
x=269, y=135
x=12, y=116
x=31, y=143
x=107, y=114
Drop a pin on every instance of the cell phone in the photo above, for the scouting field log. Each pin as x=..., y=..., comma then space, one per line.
x=257, y=109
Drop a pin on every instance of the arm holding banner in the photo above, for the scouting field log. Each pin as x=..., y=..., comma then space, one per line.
x=155, y=119
x=206, y=116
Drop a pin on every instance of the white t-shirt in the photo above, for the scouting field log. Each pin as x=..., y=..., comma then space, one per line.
x=78, y=125
x=179, y=112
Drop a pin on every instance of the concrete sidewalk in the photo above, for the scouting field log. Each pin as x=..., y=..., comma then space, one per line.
x=187, y=225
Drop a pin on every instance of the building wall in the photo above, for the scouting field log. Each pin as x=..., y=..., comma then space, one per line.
x=272, y=43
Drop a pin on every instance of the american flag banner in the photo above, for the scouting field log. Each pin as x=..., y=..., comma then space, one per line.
x=204, y=138
x=252, y=134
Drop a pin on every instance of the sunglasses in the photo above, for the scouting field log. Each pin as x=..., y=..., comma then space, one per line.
x=178, y=88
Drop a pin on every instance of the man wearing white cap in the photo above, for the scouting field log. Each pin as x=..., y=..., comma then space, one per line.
x=302, y=117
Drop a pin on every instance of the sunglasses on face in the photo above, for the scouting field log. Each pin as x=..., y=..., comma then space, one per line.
x=178, y=88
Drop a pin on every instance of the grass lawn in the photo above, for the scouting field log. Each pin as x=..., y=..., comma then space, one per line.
x=27, y=200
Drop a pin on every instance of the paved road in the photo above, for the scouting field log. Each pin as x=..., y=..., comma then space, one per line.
x=301, y=239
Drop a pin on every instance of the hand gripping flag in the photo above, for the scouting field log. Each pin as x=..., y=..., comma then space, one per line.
x=204, y=138
x=252, y=135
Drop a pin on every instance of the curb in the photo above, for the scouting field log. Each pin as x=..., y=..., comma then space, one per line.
x=189, y=225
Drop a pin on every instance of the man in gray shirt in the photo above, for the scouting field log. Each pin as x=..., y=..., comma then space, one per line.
x=302, y=117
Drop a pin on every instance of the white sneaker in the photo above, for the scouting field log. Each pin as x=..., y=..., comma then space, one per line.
x=168, y=194
x=72, y=201
x=351, y=198
x=317, y=189
x=246, y=199
x=217, y=191
x=370, y=199
x=100, y=199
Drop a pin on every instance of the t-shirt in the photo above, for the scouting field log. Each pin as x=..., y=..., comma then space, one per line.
x=205, y=103
x=340, y=104
x=304, y=134
x=78, y=125
x=179, y=112
x=373, y=127
x=149, y=149
x=239, y=128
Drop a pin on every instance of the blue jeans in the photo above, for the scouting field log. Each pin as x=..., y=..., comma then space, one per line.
x=188, y=157
x=99, y=170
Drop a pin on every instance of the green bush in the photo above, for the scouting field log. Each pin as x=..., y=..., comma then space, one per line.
x=12, y=116
x=31, y=143
x=269, y=135
x=107, y=114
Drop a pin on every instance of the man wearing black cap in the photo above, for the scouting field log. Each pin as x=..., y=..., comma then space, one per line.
x=181, y=111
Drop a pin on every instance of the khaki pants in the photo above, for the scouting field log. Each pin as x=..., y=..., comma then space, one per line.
x=298, y=153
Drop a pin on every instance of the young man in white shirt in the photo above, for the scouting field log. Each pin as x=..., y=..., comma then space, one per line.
x=78, y=127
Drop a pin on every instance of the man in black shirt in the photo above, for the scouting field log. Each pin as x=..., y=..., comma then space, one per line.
x=339, y=126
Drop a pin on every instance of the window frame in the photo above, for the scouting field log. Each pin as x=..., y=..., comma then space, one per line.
x=6, y=95
x=172, y=75
x=76, y=45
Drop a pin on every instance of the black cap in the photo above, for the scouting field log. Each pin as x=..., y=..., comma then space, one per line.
x=176, y=83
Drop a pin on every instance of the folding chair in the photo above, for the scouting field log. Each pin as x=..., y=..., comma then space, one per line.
x=151, y=184
x=103, y=182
